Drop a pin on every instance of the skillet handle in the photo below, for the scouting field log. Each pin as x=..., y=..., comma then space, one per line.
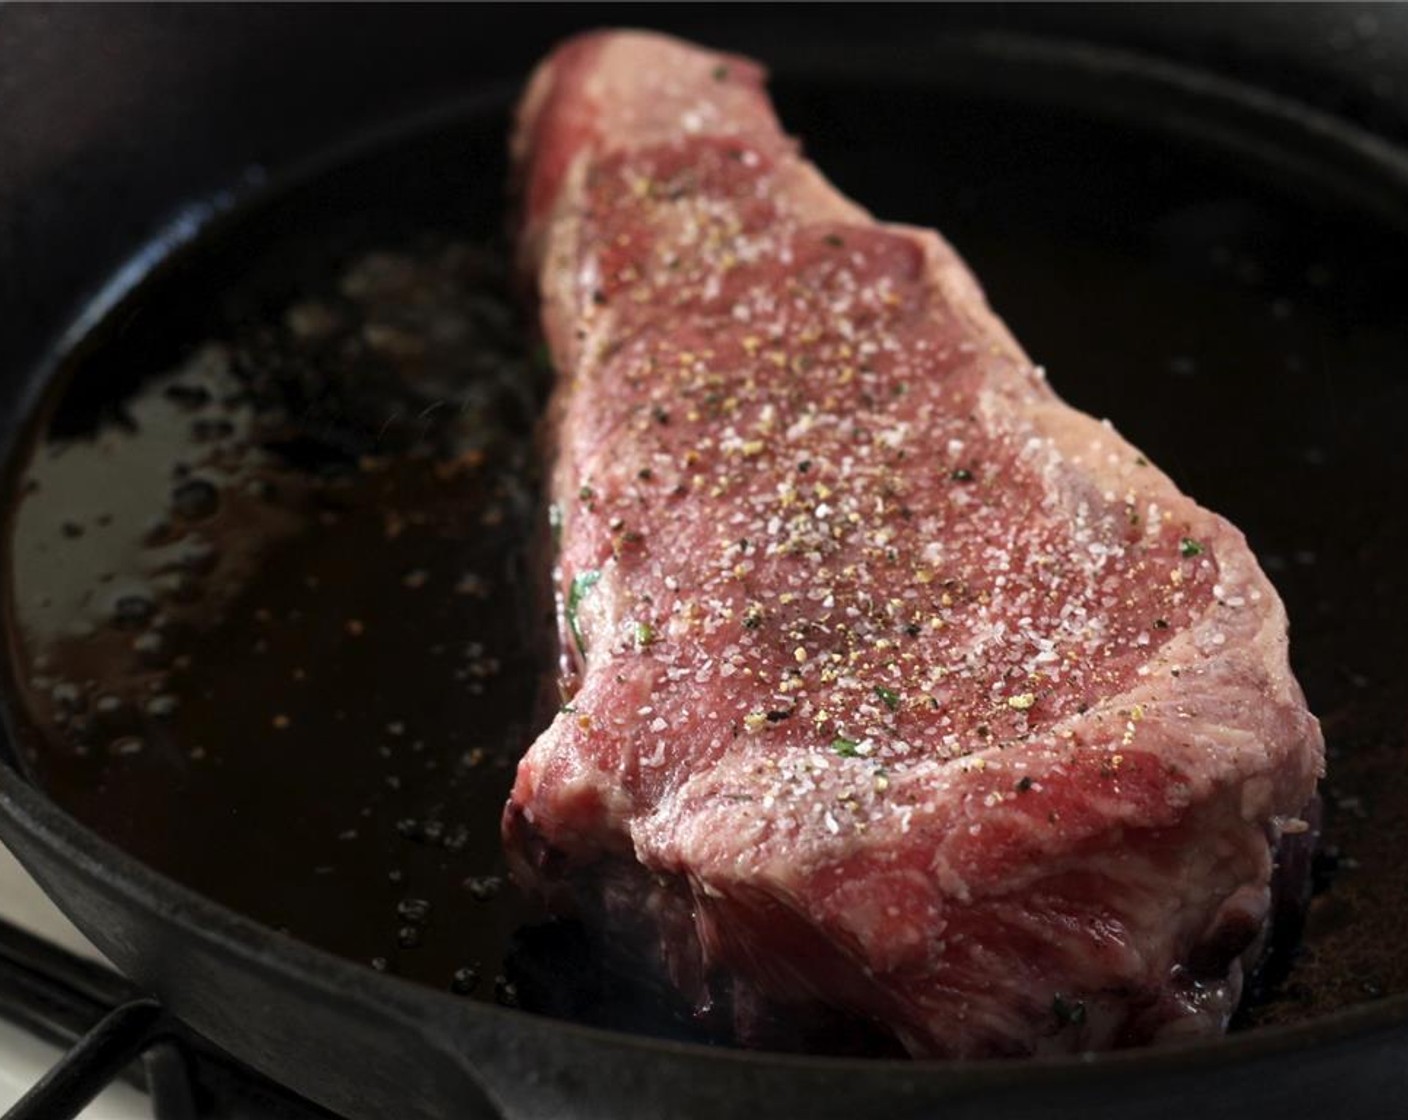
x=97, y=1058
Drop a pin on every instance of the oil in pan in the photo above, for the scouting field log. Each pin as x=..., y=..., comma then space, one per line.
x=271, y=589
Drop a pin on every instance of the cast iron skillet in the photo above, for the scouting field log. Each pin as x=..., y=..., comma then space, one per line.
x=111, y=121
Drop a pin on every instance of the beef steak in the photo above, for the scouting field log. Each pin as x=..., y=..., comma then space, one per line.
x=897, y=686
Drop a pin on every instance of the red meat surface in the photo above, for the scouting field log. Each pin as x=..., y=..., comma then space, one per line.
x=899, y=689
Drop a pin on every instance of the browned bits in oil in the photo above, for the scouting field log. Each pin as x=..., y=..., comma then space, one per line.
x=281, y=722
x=195, y=499
x=66, y=696
x=132, y=611
x=199, y=556
x=191, y=397
x=163, y=706
x=505, y=991
x=312, y=320
x=416, y=911
x=473, y=584
x=211, y=431
x=483, y=887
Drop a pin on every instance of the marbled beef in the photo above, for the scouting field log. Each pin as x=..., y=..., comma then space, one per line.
x=898, y=687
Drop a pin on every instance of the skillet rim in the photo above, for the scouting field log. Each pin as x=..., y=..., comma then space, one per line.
x=108, y=870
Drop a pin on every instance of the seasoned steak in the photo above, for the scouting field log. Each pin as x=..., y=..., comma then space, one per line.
x=898, y=688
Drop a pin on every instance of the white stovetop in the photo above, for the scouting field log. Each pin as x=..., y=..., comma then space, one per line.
x=23, y=1058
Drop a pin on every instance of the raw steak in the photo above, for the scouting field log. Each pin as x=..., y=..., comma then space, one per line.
x=898, y=687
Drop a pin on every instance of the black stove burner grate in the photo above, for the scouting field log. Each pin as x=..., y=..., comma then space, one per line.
x=113, y=1032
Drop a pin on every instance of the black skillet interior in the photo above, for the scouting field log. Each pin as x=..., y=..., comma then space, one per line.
x=1221, y=278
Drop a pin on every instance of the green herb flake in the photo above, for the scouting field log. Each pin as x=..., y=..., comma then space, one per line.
x=582, y=583
x=645, y=634
x=834, y=240
x=586, y=493
x=890, y=696
x=720, y=73
x=846, y=748
x=1068, y=1013
x=1189, y=547
x=1025, y=783
x=1160, y=624
x=962, y=474
x=1140, y=461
